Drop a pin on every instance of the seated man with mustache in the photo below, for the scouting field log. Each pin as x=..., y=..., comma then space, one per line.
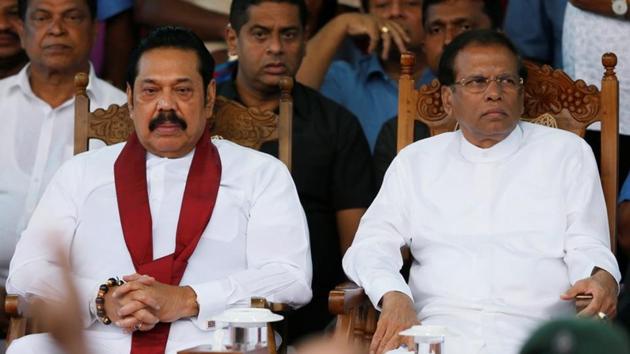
x=192, y=225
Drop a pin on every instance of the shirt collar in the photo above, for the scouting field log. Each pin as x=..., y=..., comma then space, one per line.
x=300, y=102
x=497, y=152
x=371, y=65
x=22, y=82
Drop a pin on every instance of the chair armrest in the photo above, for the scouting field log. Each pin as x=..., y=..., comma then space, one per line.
x=345, y=298
x=15, y=307
x=281, y=327
x=356, y=316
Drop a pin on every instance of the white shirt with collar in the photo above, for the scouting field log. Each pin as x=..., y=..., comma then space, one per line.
x=35, y=140
x=256, y=243
x=497, y=234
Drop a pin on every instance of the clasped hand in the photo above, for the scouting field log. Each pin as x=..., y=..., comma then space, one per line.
x=142, y=302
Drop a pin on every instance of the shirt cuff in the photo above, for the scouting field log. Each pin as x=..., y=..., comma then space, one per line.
x=86, y=292
x=379, y=286
x=212, y=298
x=583, y=270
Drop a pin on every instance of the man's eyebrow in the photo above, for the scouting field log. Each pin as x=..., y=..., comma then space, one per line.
x=183, y=80
x=261, y=27
x=289, y=28
x=436, y=22
x=176, y=81
x=461, y=20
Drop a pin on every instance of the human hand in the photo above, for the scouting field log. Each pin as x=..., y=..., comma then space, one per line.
x=167, y=302
x=397, y=315
x=377, y=29
x=602, y=287
x=132, y=313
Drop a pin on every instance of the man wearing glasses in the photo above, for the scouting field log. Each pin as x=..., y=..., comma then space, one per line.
x=503, y=232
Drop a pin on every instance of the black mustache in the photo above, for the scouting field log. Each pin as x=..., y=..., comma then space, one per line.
x=10, y=33
x=167, y=117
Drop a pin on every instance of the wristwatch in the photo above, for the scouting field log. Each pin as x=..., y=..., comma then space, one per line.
x=619, y=7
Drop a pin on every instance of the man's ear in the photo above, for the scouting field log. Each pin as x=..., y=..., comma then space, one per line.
x=231, y=38
x=447, y=99
x=129, y=100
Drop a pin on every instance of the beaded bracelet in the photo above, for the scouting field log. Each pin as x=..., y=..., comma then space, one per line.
x=100, y=299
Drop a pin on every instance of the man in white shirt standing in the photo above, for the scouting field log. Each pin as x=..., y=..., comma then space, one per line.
x=192, y=225
x=37, y=107
x=505, y=220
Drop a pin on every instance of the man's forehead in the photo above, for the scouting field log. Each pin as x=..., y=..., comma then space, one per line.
x=456, y=10
x=63, y=5
x=168, y=65
x=8, y=3
x=273, y=14
x=482, y=58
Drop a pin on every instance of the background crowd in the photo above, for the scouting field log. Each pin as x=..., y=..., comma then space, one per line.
x=343, y=143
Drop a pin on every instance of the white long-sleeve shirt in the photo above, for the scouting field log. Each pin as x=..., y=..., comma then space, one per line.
x=497, y=234
x=35, y=139
x=256, y=243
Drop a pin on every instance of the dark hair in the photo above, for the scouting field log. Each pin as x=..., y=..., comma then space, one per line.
x=365, y=5
x=492, y=9
x=484, y=37
x=327, y=13
x=23, y=5
x=239, y=15
x=172, y=37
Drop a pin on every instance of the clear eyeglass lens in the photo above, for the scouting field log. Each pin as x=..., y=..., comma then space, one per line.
x=480, y=84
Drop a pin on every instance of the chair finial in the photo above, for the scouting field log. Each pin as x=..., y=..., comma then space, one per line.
x=286, y=86
x=609, y=61
x=81, y=81
x=407, y=62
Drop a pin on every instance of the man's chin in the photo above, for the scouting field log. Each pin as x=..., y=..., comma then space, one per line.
x=166, y=148
x=9, y=51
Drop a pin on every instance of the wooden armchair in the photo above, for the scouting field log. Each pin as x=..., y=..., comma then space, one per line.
x=232, y=121
x=248, y=127
x=551, y=98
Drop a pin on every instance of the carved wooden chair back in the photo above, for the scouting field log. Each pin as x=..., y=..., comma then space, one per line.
x=232, y=121
x=111, y=125
x=551, y=97
x=252, y=127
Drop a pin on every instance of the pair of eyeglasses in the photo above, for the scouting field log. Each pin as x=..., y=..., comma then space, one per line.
x=479, y=84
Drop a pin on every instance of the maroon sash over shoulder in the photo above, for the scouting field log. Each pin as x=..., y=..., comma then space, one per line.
x=200, y=195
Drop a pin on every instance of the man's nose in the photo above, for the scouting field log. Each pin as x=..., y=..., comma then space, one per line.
x=275, y=44
x=494, y=91
x=449, y=35
x=57, y=26
x=165, y=103
x=4, y=23
x=395, y=10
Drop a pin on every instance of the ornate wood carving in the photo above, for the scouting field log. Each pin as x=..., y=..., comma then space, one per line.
x=245, y=126
x=574, y=103
x=112, y=125
x=430, y=110
x=545, y=119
